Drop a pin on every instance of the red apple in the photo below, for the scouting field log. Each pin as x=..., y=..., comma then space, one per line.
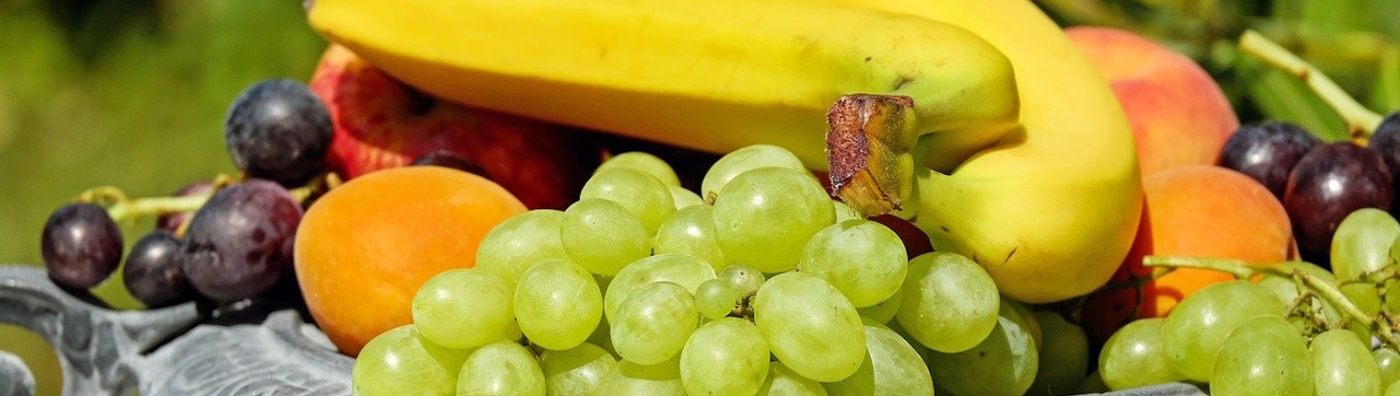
x=382, y=123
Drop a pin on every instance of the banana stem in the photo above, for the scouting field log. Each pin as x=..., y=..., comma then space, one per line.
x=869, y=138
x=1361, y=122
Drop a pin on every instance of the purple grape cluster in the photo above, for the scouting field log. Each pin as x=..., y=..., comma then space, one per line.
x=1319, y=183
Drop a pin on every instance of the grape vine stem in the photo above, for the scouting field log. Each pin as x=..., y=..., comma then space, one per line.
x=1361, y=122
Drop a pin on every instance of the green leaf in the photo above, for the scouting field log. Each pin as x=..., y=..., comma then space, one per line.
x=1283, y=98
x=1385, y=95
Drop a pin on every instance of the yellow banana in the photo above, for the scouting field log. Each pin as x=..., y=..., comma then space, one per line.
x=1052, y=211
x=713, y=75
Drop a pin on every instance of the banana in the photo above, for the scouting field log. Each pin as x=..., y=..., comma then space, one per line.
x=1051, y=211
x=968, y=136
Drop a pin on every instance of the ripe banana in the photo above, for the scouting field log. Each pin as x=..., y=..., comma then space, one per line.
x=1051, y=211
x=1043, y=193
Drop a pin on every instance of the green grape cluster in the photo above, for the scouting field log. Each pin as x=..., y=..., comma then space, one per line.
x=1292, y=328
x=761, y=284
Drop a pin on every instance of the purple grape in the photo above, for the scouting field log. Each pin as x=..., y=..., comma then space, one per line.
x=81, y=245
x=449, y=159
x=1267, y=152
x=172, y=221
x=1386, y=142
x=240, y=242
x=279, y=130
x=1329, y=183
x=152, y=272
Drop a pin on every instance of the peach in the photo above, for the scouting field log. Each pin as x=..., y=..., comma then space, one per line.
x=1194, y=211
x=1178, y=113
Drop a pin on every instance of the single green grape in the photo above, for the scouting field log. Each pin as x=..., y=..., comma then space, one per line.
x=602, y=236
x=1026, y=318
x=1264, y=355
x=884, y=311
x=728, y=356
x=1393, y=390
x=950, y=303
x=691, y=231
x=501, y=368
x=715, y=299
x=575, y=371
x=1388, y=364
x=742, y=160
x=1064, y=355
x=652, y=325
x=514, y=245
x=845, y=212
x=781, y=381
x=764, y=217
x=464, y=308
x=891, y=367
x=1004, y=363
x=1286, y=290
x=557, y=304
x=687, y=271
x=630, y=378
x=810, y=326
x=1341, y=364
x=1198, y=325
x=646, y=197
x=1362, y=243
x=1092, y=384
x=742, y=278
x=863, y=259
x=644, y=162
x=683, y=197
x=1134, y=356
x=401, y=362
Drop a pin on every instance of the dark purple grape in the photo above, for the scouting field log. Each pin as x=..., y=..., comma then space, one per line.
x=279, y=130
x=152, y=272
x=1329, y=183
x=172, y=221
x=240, y=242
x=1386, y=142
x=81, y=245
x=1267, y=152
x=449, y=159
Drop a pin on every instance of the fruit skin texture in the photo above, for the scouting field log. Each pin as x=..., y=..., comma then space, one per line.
x=1192, y=210
x=380, y=123
x=1027, y=145
x=364, y=248
x=1178, y=114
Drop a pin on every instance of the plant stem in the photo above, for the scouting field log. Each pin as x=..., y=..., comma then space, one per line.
x=1361, y=122
x=1238, y=268
x=131, y=209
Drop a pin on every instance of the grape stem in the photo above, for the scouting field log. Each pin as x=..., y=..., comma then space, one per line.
x=1380, y=325
x=1361, y=122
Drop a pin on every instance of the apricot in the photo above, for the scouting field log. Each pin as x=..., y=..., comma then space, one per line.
x=363, y=249
x=1192, y=211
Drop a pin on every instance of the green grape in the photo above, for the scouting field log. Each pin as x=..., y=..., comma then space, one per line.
x=1134, y=357
x=1388, y=364
x=602, y=236
x=1026, y=318
x=782, y=381
x=1198, y=326
x=557, y=304
x=646, y=197
x=810, y=326
x=514, y=245
x=950, y=303
x=501, y=368
x=885, y=310
x=653, y=323
x=743, y=160
x=863, y=259
x=1064, y=355
x=1393, y=390
x=891, y=367
x=630, y=378
x=683, y=197
x=715, y=299
x=1341, y=364
x=687, y=271
x=691, y=231
x=742, y=278
x=724, y=357
x=464, y=308
x=1286, y=290
x=1264, y=355
x=643, y=162
x=1092, y=384
x=1004, y=363
x=1363, y=295
x=575, y=371
x=1362, y=243
x=400, y=362
x=764, y=217
x=845, y=212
